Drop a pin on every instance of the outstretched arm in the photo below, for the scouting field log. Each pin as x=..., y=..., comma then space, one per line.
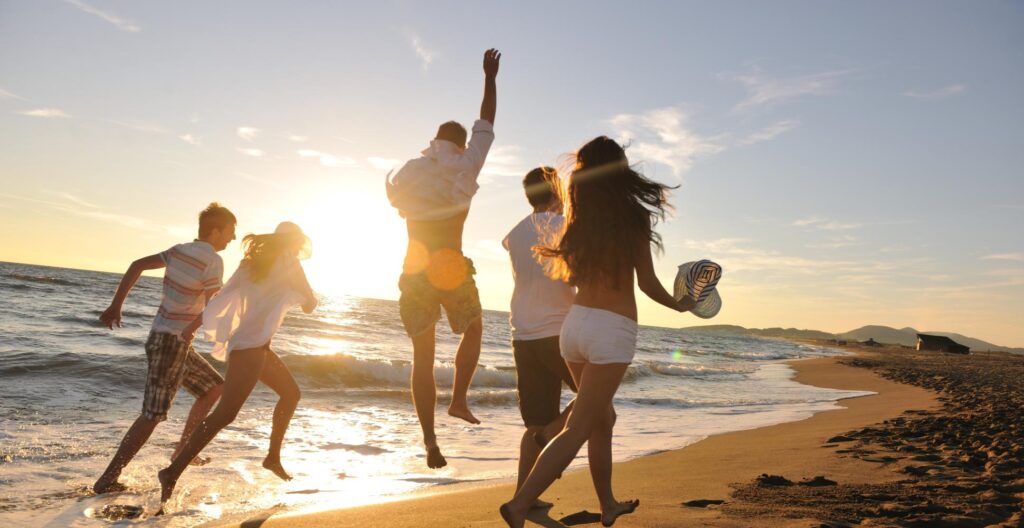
x=651, y=286
x=490, y=103
x=112, y=315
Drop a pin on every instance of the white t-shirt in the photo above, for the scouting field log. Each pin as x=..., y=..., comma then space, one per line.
x=441, y=183
x=539, y=303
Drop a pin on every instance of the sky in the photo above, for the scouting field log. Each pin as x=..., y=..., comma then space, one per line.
x=846, y=163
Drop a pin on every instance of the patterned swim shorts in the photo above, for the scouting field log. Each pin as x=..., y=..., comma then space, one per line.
x=173, y=364
x=447, y=281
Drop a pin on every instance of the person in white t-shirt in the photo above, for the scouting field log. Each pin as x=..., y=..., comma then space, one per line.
x=433, y=194
x=539, y=305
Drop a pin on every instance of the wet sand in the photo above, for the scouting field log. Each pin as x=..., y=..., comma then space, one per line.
x=940, y=444
x=712, y=470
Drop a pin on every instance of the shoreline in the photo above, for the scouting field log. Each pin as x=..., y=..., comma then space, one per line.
x=704, y=470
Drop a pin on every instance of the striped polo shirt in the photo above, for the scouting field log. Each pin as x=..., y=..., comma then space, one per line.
x=192, y=269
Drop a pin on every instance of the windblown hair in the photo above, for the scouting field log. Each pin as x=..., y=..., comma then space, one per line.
x=215, y=216
x=610, y=209
x=262, y=251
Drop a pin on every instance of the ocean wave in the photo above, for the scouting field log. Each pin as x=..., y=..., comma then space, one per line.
x=639, y=371
x=56, y=281
x=477, y=396
x=355, y=372
x=67, y=365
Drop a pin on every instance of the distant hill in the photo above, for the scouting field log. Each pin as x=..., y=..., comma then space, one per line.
x=789, y=333
x=882, y=334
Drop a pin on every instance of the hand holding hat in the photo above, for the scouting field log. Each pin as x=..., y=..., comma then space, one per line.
x=698, y=280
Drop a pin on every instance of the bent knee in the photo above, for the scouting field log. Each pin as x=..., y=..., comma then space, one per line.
x=221, y=417
x=214, y=392
x=293, y=395
x=475, y=327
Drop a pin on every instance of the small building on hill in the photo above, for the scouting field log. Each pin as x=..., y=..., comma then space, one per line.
x=940, y=343
x=872, y=343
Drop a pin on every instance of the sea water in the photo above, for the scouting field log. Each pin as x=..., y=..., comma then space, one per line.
x=70, y=388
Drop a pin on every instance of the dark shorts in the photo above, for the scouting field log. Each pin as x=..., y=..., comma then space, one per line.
x=541, y=371
x=449, y=284
x=173, y=364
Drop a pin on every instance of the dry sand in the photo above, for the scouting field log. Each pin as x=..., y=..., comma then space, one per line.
x=663, y=482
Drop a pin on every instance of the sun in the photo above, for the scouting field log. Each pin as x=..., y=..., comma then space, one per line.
x=358, y=243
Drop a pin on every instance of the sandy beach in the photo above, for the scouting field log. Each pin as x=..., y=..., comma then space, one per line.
x=724, y=468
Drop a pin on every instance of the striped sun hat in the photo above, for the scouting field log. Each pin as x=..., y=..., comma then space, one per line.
x=698, y=280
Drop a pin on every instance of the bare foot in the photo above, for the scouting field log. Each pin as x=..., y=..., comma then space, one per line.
x=435, y=460
x=167, y=483
x=104, y=486
x=275, y=467
x=463, y=412
x=609, y=516
x=511, y=518
x=541, y=505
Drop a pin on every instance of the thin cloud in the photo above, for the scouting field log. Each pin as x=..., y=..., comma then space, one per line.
x=836, y=242
x=296, y=138
x=4, y=94
x=120, y=23
x=72, y=198
x=939, y=93
x=770, y=132
x=1016, y=257
x=247, y=133
x=190, y=139
x=256, y=153
x=763, y=90
x=828, y=225
x=258, y=179
x=78, y=207
x=46, y=113
x=384, y=163
x=140, y=126
x=327, y=160
x=425, y=54
x=504, y=160
x=664, y=136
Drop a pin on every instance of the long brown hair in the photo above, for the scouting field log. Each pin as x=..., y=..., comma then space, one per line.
x=261, y=251
x=609, y=208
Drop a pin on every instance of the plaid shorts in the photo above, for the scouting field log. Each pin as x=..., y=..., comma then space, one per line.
x=450, y=285
x=173, y=364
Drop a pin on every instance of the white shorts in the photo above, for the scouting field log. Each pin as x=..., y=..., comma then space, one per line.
x=597, y=336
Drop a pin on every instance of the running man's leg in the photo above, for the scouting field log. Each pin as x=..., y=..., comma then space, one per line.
x=244, y=369
x=277, y=376
x=166, y=357
x=598, y=384
x=136, y=437
x=424, y=394
x=205, y=384
x=466, y=360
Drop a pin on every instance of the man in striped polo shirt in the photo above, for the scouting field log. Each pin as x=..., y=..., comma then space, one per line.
x=194, y=273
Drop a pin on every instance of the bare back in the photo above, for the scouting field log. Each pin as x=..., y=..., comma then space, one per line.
x=601, y=295
x=437, y=234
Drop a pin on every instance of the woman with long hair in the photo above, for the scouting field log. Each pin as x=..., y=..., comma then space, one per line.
x=241, y=320
x=608, y=236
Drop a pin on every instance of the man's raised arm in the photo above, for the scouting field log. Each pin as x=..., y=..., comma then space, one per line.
x=490, y=103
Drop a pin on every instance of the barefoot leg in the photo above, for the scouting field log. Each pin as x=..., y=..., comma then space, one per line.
x=277, y=376
x=465, y=366
x=424, y=394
